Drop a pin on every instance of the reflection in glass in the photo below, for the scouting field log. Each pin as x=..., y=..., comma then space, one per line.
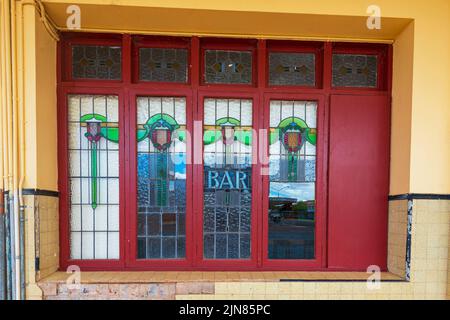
x=227, y=178
x=161, y=176
x=293, y=138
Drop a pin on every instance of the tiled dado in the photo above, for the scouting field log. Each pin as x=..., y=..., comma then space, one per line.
x=420, y=255
x=42, y=239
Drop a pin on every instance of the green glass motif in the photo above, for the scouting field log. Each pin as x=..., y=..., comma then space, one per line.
x=97, y=128
x=243, y=134
x=159, y=129
x=293, y=133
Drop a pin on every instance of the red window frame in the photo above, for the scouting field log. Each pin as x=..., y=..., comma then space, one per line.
x=195, y=91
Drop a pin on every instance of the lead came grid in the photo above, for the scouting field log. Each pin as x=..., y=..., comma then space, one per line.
x=352, y=70
x=292, y=69
x=227, y=211
x=94, y=231
x=97, y=62
x=161, y=178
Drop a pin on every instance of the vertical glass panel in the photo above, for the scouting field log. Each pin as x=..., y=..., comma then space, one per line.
x=351, y=70
x=94, y=176
x=229, y=67
x=227, y=178
x=161, y=176
x=96, y=62
x=163, y=65
x=292, y=170
x=292, y=69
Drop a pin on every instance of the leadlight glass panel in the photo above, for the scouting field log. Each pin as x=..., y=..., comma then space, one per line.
x=96, y=62
x=352, y=70
x=163, y=65
x=161, y=176
x=228, y=67
x=227, y=179
x=94, y=176
x=292, y=69
x=292, y=170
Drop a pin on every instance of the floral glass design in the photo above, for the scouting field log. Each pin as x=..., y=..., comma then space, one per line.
x=161, y=176
x=94, y=176
x=292, y=169
x=227, y=178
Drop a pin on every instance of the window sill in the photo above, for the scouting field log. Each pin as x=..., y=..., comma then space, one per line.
x=174, y=277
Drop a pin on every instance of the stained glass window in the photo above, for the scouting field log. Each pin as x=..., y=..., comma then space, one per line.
x=163, y=65
x=161, y=175
x=227, y=178
x=292, y=169
x=96, y=62
x=351, y=70
x=292, y=69
x=94, y=176
x=228, y=67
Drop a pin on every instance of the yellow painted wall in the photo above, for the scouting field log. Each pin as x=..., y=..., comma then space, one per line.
x=46, y=138
x=426, y=100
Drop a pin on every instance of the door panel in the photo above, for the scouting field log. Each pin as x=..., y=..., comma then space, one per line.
x=358, y=181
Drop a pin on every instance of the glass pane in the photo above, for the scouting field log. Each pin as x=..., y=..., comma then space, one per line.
x=97, y=62
x=350, y=70
x=231, y=67
x=94, y=176
x=292, y=170
x=163, y=65
x=161, y=176
x=292, y=69
x=227, y=178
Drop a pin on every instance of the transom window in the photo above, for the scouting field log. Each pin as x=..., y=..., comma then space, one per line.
x=197, y=154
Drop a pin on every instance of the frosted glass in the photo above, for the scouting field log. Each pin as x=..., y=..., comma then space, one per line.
x=113, y=245
x=75, y=245
x=113, y=218
x=87, y=251
x=101, y=245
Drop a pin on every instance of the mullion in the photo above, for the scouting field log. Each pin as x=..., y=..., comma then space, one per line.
x=90, y=190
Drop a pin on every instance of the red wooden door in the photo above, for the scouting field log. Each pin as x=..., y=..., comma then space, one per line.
x=358, y=182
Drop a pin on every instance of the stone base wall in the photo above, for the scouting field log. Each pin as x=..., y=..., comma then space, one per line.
x=152, y=291
x=429, y=269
